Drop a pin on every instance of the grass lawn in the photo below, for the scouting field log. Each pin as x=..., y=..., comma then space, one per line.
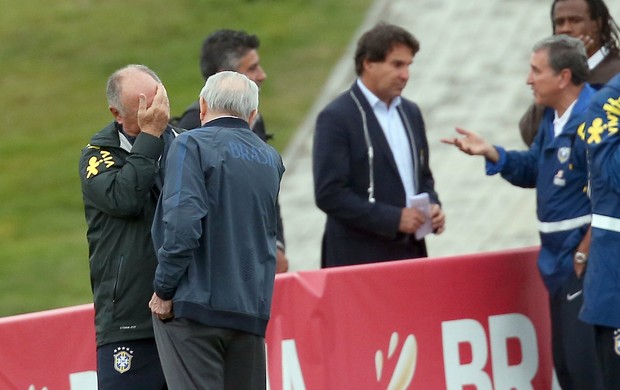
x=55, y=58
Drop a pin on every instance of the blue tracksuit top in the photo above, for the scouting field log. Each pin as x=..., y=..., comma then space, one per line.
x=215, y=226
x=601, y=305
x=557, y=167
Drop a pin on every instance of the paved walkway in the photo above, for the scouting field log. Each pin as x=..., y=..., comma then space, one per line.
x=470, y=72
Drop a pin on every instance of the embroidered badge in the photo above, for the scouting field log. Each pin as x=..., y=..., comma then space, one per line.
x=93, y=163
x=617, y=341
x=563, y=154
x=122, y=359
x=559, y=179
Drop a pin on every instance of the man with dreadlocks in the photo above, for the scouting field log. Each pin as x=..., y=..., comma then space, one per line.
x=590, y=21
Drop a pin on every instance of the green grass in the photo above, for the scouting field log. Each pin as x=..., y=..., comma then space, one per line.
x=55, y=58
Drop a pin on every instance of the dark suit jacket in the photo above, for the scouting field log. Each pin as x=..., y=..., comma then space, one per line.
x=357, y=230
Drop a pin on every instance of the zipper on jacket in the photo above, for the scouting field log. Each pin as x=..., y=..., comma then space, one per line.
x=118, y=276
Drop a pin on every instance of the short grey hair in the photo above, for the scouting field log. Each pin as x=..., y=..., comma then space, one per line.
x=566, y=53
x=115, y=81
x=231, y=93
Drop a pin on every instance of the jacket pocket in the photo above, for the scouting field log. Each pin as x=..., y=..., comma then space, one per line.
x=117, y=280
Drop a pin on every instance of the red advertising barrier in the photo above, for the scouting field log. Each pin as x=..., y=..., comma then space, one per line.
x=49, y=350
x=471, y=322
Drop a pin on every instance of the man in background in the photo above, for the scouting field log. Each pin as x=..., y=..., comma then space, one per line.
x=121, y=180
x=237, y=51
x=591, y=22
x=555, y=164
x=370, y=158
x=216, y=245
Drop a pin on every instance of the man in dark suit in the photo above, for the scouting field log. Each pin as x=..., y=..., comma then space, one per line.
x=370, y=158
x=591, y=22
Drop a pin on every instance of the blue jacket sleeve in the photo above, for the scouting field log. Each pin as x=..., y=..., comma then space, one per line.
x=612, y=168
x=495, y=168
x=519, y=168
x=183, y=208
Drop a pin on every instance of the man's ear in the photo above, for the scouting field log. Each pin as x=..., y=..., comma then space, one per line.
x=203, y=109
x=117, y=115
x=252, y=117
x=366, y=64
x=565, y=78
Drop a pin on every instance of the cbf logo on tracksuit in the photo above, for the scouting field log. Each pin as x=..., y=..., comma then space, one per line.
x=122, y=359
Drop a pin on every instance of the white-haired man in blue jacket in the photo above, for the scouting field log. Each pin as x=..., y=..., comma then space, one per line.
x=216, y=241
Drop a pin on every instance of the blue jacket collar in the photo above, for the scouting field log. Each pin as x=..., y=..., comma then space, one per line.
x=228, y=121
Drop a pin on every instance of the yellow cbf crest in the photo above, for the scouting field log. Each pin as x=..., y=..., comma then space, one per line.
x=94, y=163
x=597, y=129
x=122, y=359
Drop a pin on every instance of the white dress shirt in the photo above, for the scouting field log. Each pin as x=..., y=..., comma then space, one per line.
x=396, y=136
x=560, y=122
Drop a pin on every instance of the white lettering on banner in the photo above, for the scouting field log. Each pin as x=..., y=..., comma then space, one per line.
x=457, y=374
x=518, y=376
x=501, y=328
x=268, y=385
x=405, y=364
x=86, y=380
x=292, y=377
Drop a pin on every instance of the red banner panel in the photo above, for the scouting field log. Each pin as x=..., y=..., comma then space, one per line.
x=50, y=350
x=473, y=322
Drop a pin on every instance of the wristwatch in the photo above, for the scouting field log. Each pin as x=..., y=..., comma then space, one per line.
x=581, y=258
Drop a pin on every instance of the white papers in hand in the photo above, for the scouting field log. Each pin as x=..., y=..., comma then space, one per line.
x=422, y=202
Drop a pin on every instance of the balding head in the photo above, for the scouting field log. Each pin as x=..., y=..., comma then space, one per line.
x=123, y=90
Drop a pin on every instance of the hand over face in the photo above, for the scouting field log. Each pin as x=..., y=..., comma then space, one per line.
x=589, y=43
x=153, y=119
